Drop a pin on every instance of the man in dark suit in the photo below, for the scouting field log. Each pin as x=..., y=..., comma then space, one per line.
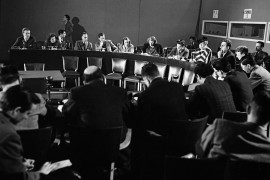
x=26, y=41
x=84, y=44
x=225, y=52
x=240, y=141
x=96, y=105
x=238, y=81
x=211, y=96
x=260, y=56
x=104, y=44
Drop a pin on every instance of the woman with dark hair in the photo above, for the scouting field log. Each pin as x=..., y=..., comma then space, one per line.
x=152, y=47
x=52, y=42
x=126, y=46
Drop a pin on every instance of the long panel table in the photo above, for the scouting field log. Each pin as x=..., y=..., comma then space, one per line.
x=53, y=59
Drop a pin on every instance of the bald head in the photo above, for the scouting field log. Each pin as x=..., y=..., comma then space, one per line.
x=92, y=73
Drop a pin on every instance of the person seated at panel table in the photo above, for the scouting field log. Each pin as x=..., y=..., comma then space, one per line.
x=52, y=42
x=84, y=44
x=26, y=41
x=203, y=54
x=192, y=43
x=125, y=46
x=179, y=51
x=104, y=44
x=62, y=39
x=240, y=141
x=152, y=47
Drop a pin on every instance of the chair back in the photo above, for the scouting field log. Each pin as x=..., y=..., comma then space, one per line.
x=161, y=69
x=70, y=63
x=183, y=135
x=181, y=168
x=34, y=66
x=138, y=67
x=35, y=85
x=97, y=61
x=235, y=116
x=36, y=143
x=175, y=73
x=118, y=65
x=94, y=149
x=188, y=77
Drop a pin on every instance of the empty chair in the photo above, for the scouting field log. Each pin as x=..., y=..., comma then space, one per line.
x=70, y=66
x=136, y=78
x=118, y=69
x=183, y=136
x=97, y=61
x=161, y=69
x=34, y=66
x=94, y=151
x=174, y=73
x=190, y=169
x=188, y=77
x=235, y=116
x=36, y=143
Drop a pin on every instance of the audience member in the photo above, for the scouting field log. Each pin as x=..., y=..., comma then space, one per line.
x=104, y=44
x=192, y=43
x=225, y=52
x=126, y=46
x=161, y=102
x=202, y=55
x=260, y=56
x=258, y=76
x=238, y=81
x=211, y=97
x=179, y=51
x=241, y=53
x=16, y=106
x=240, y=141
x=52, y=42
x=68, y=28
x=84, y=44
x=152, y=47
x=9, y=77
x=26, y=41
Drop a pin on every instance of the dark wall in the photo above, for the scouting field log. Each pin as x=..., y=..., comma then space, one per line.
x=168, y=20
x=232, y=10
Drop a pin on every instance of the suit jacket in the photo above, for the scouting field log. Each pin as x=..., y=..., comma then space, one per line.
x=260, y=57
x=238, y=141
x=230, y=57
x=260, y=79
x=161, y=102
x=108, y=45
x=79, y=45
x=97, y=106
x=11, y=161
x=158, y=51
x=213, y=97
x=183, y=53
x=241, y=89
x=20, y=42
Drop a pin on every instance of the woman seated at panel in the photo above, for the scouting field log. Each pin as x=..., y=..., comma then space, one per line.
x=152, y=47
x=84, y=44
x=52, y=42
x=126, y=46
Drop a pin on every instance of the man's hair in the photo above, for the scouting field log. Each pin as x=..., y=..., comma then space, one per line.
x=67, y=16
x=249, y=60
x=192, y=37
x=84, y=33
x=150, y=70
x=25, y=29
x=8, y=75
x=203, y=70
x=222, y=64
x=61, y=31
x=228, y=42
x=100, y=34
x=260, y=105
x=15, y=97
x=181, y=42
x=94, y=76
x=242, y=49
x=262, y=43
x=204, y=38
